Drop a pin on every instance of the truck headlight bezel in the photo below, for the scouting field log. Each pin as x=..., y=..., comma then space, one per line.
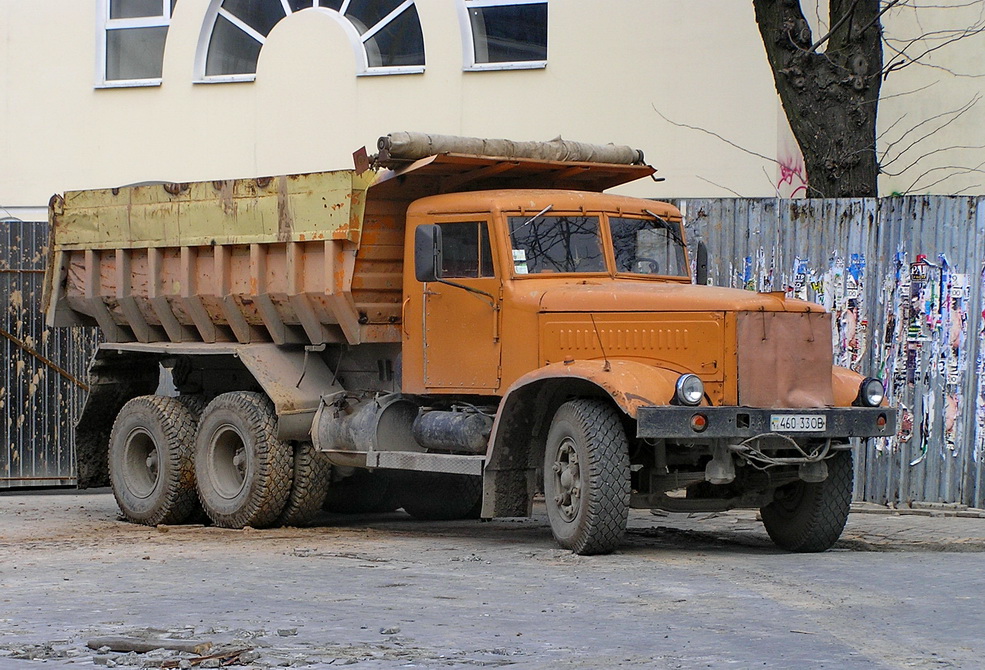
x=689, y=390
x=871, y=393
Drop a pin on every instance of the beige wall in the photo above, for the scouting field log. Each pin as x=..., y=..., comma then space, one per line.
x=920, y=120
x=698, y=62
x=609, y=65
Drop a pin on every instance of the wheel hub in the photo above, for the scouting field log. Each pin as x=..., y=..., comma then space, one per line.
x=567, y=480
x=141, y=463
x=228, y=461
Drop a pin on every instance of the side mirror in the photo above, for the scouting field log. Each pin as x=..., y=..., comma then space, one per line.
x=701, y=264
x=428, y=258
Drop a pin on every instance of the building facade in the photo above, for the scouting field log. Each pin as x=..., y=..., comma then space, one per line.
x=111, y=92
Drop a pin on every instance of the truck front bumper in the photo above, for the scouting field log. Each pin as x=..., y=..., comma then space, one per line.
x=744, y=422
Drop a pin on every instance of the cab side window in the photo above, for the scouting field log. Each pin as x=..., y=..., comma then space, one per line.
x=466, y=249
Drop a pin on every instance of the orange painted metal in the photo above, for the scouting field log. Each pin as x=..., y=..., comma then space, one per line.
x=845, y=384
x=631, y=384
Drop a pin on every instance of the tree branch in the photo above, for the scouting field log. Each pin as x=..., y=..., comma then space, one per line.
x=716, y=135
x=836, y=26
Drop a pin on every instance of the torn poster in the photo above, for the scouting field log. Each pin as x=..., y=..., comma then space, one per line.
x=979, y=450
x=798, y=287
x=951, y=349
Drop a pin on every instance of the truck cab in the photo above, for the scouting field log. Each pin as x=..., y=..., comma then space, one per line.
x=502, y=254
x=550, y=295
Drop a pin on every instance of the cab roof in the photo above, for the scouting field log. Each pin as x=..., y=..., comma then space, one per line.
x=533, y=201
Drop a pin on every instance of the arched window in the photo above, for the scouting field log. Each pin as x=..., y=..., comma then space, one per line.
x=386, y=35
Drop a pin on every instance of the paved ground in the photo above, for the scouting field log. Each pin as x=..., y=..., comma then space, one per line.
x=699, y=591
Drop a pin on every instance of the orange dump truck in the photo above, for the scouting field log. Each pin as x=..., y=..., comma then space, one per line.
x=453, y=329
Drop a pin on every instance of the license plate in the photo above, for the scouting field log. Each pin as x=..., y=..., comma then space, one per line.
x=798, y=423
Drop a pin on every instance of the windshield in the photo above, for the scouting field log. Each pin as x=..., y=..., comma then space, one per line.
x=648, y=246
x=551, y=243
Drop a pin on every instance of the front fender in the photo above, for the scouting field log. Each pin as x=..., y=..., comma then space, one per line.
x=516, y=445
x=631, y=385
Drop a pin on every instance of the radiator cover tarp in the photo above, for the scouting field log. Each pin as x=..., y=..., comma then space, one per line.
x=785, y=359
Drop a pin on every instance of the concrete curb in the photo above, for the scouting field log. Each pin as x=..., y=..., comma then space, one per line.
x=932, y=509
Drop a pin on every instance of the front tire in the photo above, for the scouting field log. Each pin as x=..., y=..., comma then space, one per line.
x=806, y=517
x=586, y=477
x=150, y=461
x=244, y=471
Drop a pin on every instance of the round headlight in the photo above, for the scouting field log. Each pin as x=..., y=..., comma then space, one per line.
x=690, y=389
x=871, y=392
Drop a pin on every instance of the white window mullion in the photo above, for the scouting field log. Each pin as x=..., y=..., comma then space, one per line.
x=142, y=22
x=344, y=8
x=241, y=25
x=497, y=3
x=382, y=23
x=287, y=7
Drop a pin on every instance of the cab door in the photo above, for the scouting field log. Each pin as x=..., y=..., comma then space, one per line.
x=461, y=323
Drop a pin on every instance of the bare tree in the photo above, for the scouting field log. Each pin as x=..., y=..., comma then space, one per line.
x=829, y=88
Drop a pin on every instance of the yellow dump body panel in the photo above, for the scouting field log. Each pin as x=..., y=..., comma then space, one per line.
x=295, y=258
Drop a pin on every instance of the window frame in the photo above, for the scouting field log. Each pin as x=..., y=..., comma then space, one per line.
x=468, y=37
x=605, y=243
x=105, y=24
x=636, y=216
x=482, y=225
x=357, y=41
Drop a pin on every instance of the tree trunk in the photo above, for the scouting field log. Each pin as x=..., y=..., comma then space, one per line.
x=830, y=94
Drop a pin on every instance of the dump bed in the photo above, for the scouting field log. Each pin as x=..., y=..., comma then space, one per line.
x=247, y=260
x=307, y=258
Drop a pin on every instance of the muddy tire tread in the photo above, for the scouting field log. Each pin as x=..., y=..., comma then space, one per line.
x=603, y=527
x=179, y=499
x=312, y=474
x=273, y=457
x=818, y=524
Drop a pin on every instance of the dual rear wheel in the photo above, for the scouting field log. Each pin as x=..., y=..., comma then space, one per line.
x=167, y=455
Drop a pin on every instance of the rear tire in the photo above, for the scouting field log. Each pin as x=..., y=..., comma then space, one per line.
x=438, y=496
x=363, y=492
x=312, y=473
x=150, y=461
x=243, y=469
x=807, y=517
x=586, y=477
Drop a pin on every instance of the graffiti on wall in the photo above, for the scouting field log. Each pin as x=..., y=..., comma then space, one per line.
x=791, y=174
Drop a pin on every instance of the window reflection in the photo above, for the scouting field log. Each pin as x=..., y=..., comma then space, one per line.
x=556, y=244
x=390, y=32
x=509, y=33
x=647, y=246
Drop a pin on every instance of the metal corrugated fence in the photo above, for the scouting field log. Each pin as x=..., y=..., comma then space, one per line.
x=904, y=278
x=39, y=401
